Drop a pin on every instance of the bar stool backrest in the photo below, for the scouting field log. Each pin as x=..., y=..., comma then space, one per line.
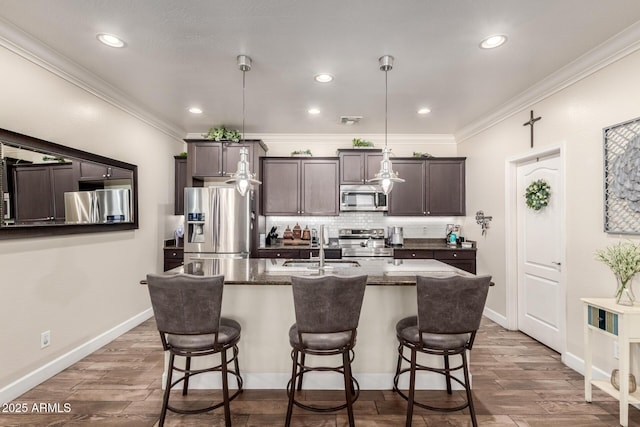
x=451, y=305
x=328, y=304
x=185, y=304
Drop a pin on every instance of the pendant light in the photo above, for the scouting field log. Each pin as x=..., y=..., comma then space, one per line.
x=243, y=178
x=386, y=176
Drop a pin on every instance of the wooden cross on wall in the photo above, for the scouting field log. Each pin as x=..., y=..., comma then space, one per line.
x=531, y=123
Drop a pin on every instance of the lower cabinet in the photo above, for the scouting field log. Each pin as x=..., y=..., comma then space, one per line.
x=464, y=260
x=173, y=257
x=299, y=253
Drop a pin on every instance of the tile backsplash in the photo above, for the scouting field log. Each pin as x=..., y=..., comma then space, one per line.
x=414, y=227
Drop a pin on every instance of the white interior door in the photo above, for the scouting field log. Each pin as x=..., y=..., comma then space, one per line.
x=541, y=300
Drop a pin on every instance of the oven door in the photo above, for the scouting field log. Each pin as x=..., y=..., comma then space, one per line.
x=364, y=252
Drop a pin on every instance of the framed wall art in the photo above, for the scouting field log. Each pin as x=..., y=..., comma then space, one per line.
x=622, y=178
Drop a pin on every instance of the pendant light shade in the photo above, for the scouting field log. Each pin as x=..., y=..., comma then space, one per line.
x=386, y=177
x=242, y=177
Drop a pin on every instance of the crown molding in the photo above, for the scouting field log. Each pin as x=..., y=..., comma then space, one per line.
x=378, y=138
x=37, y=52
x=617, y=47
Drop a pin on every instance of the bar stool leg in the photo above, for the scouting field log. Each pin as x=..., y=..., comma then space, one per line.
x=348, y=386
x=447, y=372
x=468, y=389
x=225, y=389
x=237, y=366
x=185, y=386
x=292, y=390
x=412, y=387
x=399, y=364
x=167, y=390
x=301, y=371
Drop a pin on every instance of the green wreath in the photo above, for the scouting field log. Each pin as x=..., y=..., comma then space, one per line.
x=537, y=194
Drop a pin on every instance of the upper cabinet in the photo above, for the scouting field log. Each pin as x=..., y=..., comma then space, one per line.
x=433, y=187
x=357, y=166
x=293, y=186
x=210, y=159
x=97, y=172
x=179, y=184
x=39, y=192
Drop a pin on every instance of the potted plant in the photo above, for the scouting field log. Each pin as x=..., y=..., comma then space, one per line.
x=624, y=260
x=358, y=143
x=301, y=153
x=221, y=133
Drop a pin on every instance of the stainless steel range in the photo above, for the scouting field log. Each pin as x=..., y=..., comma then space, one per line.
x=363, y=243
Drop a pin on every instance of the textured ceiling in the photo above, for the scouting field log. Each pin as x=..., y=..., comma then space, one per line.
x=183, y=53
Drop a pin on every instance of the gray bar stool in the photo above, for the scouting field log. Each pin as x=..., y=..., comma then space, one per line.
x=187, y=313
x=449, y=314
x=327, y=314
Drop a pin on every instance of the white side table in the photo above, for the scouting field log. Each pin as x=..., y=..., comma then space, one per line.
x=603, y=315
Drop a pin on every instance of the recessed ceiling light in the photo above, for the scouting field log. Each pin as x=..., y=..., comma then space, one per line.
x=493, y=41
x=323, y=78
x=424, y=111
x=110, y=40
x=195, y=110
x=313, y=111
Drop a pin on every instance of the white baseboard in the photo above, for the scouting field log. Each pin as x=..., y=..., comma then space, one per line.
x=496, y=317
x=577, y=364
x=32, y=379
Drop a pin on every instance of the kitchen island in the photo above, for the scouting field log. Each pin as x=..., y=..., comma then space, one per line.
x=257, y=294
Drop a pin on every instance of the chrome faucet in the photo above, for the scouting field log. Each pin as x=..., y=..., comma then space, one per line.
x=321, y=250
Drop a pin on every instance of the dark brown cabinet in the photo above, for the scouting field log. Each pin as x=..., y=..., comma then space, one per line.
x=216, y=159
x=90, y=171
x=293, y=186
x=39, y=191
x=408, y=198
x=462, y=259
x=180, y=182
x=358, y=165
x=308, y=253
x=433, y=187
x=173, y=257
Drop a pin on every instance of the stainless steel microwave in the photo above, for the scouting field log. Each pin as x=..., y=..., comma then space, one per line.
x=362, y=198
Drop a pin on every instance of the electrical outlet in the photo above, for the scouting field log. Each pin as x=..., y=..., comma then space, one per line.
x=45, y=339
x=616, y=350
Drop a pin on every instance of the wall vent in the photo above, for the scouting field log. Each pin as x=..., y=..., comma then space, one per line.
x=350, y=120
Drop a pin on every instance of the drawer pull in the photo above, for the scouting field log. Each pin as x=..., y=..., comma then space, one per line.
x=455, y=254
x=413, y=255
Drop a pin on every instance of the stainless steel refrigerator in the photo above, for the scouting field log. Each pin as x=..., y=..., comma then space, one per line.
x=217, y=223
x=97, y=206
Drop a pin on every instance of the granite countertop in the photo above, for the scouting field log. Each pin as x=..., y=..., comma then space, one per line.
x=273, y=271
x=171, y=244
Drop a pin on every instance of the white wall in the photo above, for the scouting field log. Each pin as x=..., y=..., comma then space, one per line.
x=77, y=286
x=574, y=118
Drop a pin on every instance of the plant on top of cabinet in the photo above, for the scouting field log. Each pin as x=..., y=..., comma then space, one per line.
x=357, y=142
x=301, y=153
x=221, y=133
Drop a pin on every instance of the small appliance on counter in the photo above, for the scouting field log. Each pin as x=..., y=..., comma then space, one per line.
x=395, y=236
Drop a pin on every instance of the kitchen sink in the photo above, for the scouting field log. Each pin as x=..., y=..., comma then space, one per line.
x=312, y=263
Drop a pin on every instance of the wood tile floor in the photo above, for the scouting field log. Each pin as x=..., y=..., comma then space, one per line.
x=517, y=382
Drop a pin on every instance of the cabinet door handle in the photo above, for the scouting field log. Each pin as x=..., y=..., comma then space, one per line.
x=429, y=212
